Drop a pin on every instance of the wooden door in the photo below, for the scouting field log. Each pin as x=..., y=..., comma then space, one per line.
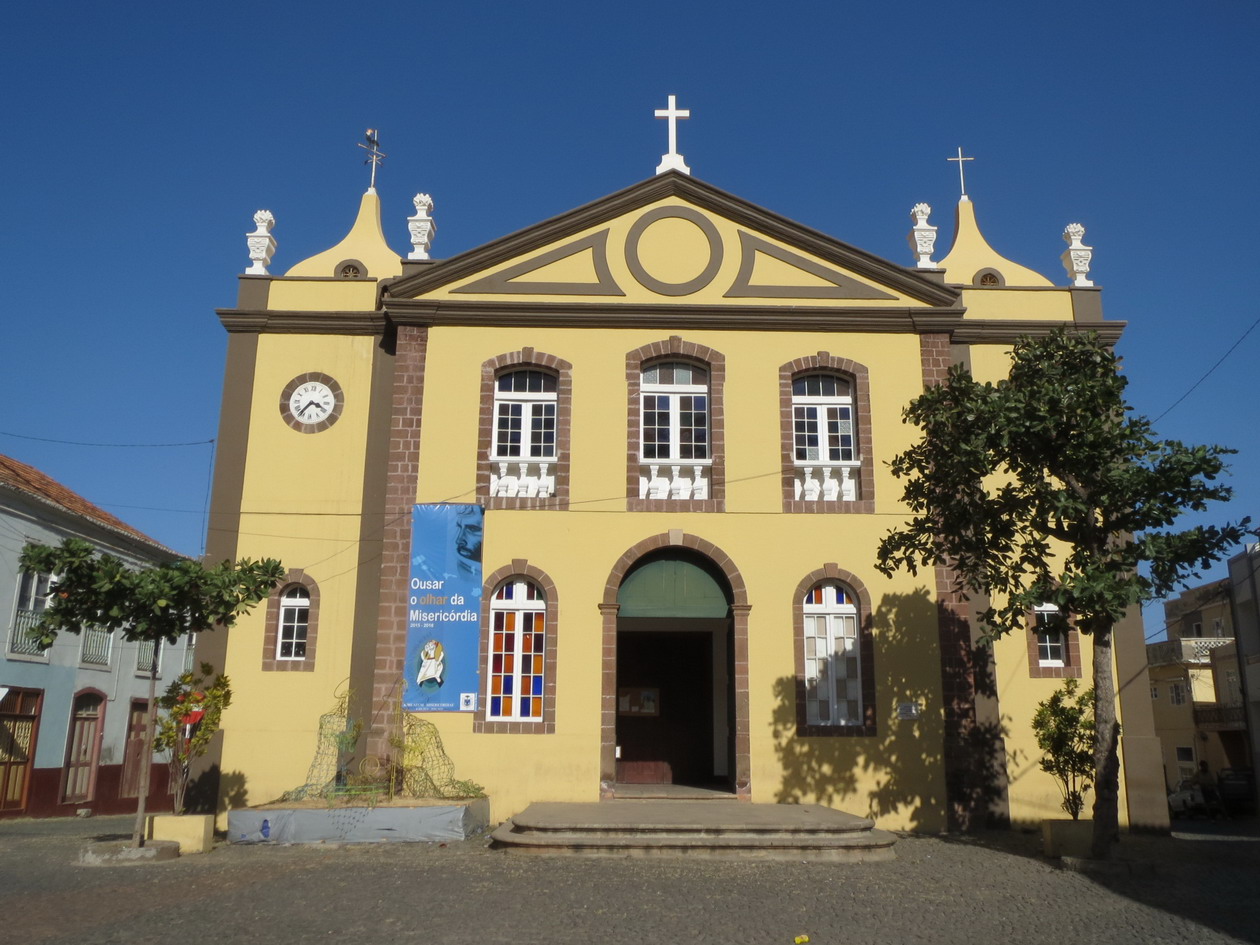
x=83, y=748
x=134, y=751
x=19, y=726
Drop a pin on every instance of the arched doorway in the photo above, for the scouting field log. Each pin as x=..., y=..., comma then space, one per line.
x=675, y=672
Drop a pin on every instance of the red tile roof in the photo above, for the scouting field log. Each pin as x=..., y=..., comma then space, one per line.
x=30, y=480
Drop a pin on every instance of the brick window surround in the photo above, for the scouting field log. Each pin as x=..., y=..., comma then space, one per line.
x=520, y=568
x=525, y=359
x=830, y=572
x=1071, y=668
x=858, y=377
x=675, y=349
x=272, y=632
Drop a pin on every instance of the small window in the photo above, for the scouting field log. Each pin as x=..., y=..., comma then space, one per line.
x=95, y=647
x=1177, y=693
x=516, y=679
x=1051, y=639
x=147, y=653
x=1197, y=629
x=1154, y=691
x=833, y=671
x=295, y=612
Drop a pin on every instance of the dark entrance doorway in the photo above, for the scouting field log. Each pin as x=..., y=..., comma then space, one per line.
x=674, y=697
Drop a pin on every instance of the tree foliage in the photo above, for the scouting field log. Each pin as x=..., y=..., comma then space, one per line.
x=1064, y=726
x=158, y=604
x=1045, y=488
x=192, y=709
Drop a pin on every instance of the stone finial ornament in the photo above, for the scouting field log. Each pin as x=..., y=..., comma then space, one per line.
x=1077, y=256
x=923, y=237
x=261, y=243
x=422, y=227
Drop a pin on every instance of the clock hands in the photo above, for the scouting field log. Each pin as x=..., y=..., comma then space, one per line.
x=309, y=405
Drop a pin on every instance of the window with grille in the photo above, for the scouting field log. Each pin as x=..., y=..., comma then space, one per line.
x=518, y=617
x=95, y=647
x=525, y=416
x=833, y=676
x=145, y=657
x=675, y=413
x=295, y=615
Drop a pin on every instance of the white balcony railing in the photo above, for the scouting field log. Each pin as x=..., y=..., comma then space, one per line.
x=21, y=643
x=826, y=483
x=95, y=647
x=674, y=482
x=526, y=480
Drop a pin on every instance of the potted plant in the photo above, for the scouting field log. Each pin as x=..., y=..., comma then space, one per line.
x=191, y=711
x=1064, y=726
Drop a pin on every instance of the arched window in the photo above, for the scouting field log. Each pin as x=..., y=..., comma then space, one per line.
x=835, y=655
x=523, y=433
x=675, y=443
x=833, y=662
x=515, y=685
x=824, y=439
x=295, y=615
x=292, y=627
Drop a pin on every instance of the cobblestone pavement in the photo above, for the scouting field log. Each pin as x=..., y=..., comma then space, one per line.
x=1197, y=888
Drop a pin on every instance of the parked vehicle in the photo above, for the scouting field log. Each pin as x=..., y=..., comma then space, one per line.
x=1237, y=788
x=1186, y=799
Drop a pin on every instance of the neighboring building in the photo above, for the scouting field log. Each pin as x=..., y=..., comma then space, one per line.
x=676, y=409
x=1198, y=714
x=1246, y=618
x=71, y=717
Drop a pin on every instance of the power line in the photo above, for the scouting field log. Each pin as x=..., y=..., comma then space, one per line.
x=1209, y=371
x=46, y=439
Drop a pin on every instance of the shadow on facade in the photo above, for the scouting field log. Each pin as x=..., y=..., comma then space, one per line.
x=215, y=791
x=939, y=771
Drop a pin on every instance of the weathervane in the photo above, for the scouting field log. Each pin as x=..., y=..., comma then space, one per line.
x=375, y=154
x=673, y=161
x=962, y=184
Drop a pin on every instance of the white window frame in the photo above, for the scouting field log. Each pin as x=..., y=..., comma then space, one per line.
x=524, y=601
x=1176, y=693
x=535, y=409
x=1047, y=646
x=668, y=398
x=293, y=627
x=833, y=656
x=812, y=416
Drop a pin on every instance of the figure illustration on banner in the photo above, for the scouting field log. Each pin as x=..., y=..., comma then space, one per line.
x=432, y=665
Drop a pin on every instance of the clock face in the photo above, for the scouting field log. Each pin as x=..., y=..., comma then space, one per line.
x=311, y=402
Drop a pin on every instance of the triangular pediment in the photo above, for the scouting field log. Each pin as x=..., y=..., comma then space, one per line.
x=677, y=241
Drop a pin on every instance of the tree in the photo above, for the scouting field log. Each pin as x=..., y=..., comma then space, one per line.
x=1064, y=725
x=192, y=708
x=151, y=605
x=1046, y=489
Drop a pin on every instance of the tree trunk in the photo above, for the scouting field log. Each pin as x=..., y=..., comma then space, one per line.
x=146, y=756
x=1106, y=750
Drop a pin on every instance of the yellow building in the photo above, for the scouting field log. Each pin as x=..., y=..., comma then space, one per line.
x=676, y=409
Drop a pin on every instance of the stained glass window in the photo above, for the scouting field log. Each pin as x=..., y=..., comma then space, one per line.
x=518, y=618
x=833, y=678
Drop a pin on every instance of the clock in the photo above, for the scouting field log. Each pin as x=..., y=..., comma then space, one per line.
x=311, y=402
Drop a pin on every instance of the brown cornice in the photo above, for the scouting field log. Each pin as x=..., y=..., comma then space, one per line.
x=674, y=184
x=638, y=315
x=302, y=323
x=1007, y=330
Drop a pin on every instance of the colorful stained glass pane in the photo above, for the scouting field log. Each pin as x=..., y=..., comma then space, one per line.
x=496, y=685
x=538, y=685
x=507, y=686
x=507, y=705
x=496, y=706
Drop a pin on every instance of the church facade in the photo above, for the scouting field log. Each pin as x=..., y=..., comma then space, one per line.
x=659, y=424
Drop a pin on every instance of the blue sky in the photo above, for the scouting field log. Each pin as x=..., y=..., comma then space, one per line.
x=138, y=139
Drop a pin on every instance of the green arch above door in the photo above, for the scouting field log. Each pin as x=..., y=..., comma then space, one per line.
x=673, y=587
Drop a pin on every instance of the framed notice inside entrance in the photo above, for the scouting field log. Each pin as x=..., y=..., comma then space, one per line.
x=638, y=700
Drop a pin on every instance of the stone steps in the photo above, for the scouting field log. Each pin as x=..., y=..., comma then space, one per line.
x=695, y=828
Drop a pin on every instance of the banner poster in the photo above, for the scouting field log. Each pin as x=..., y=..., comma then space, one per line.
x=440, y=672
